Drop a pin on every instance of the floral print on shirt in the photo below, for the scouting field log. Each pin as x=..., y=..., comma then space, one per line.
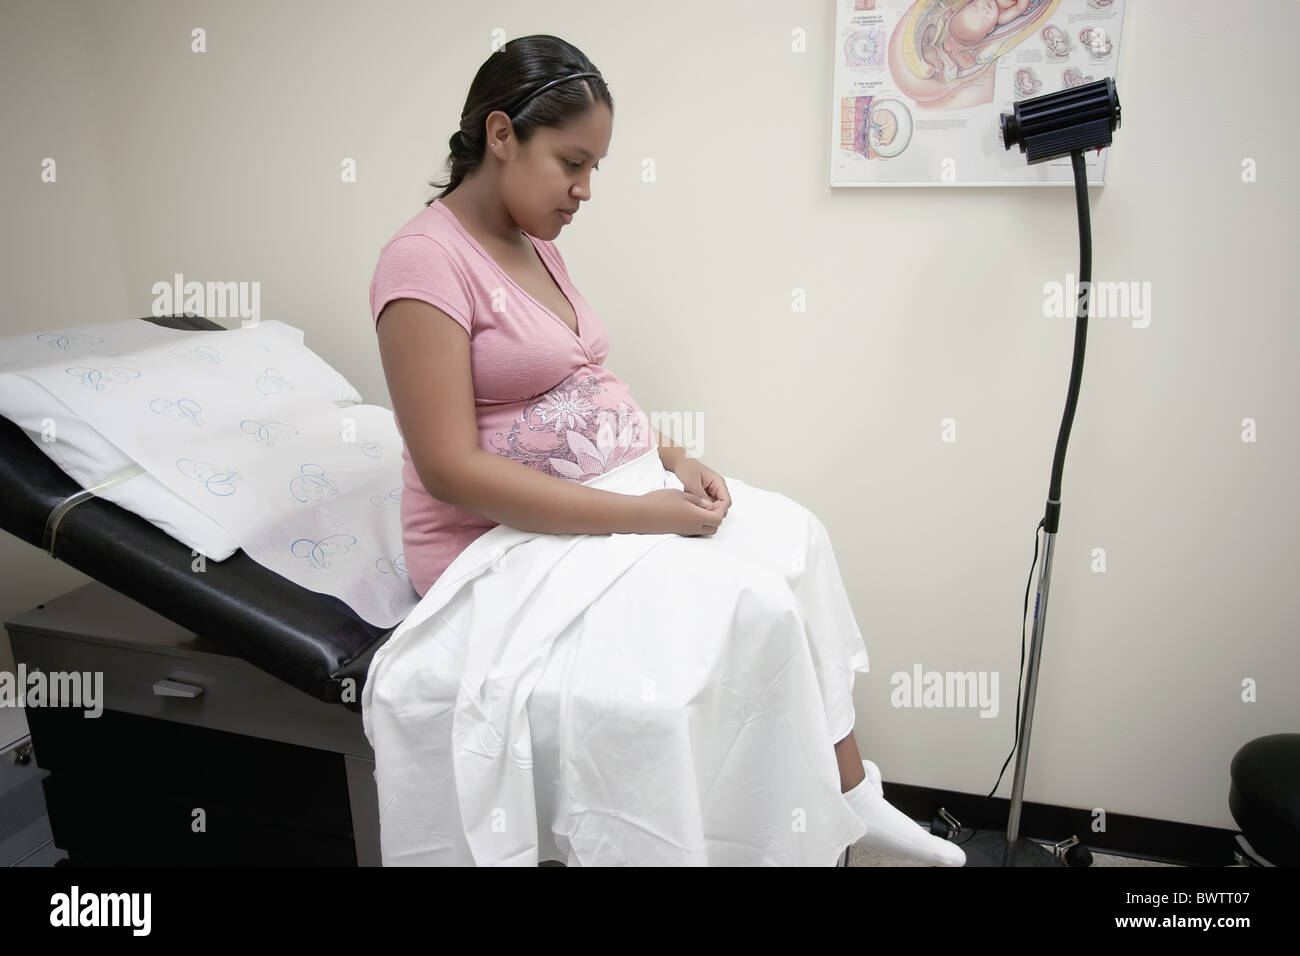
x=565, y=433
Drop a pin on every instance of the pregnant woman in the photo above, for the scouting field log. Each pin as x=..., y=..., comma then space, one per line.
x=620, y=657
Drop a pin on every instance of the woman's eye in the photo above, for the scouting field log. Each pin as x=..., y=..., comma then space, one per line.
x=573, y=165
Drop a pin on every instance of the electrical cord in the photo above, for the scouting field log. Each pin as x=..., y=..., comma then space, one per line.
x=1020, y=677
x=1063, y=436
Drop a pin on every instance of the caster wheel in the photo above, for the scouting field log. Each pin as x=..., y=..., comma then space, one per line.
x=1078, y=855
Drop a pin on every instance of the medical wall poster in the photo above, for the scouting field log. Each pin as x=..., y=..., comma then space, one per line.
x=920, y=86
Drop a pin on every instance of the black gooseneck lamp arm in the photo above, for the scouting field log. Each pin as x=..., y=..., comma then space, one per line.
x=1047, y=127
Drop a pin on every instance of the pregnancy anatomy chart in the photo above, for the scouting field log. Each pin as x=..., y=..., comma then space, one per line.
x=920, y=86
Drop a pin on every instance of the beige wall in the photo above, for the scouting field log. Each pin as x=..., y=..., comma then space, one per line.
x=923, y=305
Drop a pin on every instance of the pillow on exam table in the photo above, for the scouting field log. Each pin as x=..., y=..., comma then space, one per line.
x=27, y=349
x=88, y=458
x=340, y=389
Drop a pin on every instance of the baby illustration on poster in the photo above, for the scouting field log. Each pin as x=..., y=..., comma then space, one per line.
x=924, y=109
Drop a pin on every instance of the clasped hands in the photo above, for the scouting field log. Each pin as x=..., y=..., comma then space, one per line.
x=698, y=479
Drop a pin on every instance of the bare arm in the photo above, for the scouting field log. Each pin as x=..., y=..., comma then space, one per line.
x=511, y=493
x=426, y=362
x=670, y=455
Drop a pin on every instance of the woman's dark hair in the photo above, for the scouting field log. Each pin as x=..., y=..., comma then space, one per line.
x=521, y=66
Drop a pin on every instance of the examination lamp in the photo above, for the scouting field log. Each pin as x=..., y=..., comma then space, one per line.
x=1046, y=128
x=1060, y=124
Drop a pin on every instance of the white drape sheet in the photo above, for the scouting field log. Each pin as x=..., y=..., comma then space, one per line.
x=623, y=699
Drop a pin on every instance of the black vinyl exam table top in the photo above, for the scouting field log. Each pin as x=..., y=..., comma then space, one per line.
x=311, y=641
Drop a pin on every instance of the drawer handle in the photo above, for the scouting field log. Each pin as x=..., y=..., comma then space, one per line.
x=174, y=688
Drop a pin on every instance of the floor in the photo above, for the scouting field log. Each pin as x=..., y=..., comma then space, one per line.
x=26, y=840
x=860, y=856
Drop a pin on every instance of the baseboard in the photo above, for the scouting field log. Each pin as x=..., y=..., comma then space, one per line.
x=1182, y=844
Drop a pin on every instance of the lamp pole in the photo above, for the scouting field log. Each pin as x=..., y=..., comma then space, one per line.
x=1046, y=128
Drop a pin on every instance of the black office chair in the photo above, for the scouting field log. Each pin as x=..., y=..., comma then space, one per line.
x=1264, y=798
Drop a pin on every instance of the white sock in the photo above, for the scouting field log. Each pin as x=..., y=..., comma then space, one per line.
x=892, y=831
x=873, y=774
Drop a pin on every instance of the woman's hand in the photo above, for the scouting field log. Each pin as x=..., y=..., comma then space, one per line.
x=697, y=479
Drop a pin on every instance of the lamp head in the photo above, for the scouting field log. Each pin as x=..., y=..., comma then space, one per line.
x=1058, y=124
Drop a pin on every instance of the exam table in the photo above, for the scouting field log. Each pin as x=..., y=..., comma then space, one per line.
x=231, y=731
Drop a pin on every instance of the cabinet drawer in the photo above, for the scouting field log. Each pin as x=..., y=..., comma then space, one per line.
x=229, y=693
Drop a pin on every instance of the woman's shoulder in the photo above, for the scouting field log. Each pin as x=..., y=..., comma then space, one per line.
x=429, y=224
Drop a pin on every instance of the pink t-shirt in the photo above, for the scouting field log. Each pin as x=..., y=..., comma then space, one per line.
x=542, y=393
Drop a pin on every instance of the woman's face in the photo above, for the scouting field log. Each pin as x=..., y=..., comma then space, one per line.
x=552, y=172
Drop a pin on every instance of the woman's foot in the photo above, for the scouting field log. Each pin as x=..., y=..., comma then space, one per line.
x=892, y=831
x=873, y=774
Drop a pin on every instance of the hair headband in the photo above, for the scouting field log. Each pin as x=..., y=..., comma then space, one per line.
x=540, y=90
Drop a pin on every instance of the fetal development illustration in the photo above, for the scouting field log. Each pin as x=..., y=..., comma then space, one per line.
x=943, y=53
x=874, y=127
